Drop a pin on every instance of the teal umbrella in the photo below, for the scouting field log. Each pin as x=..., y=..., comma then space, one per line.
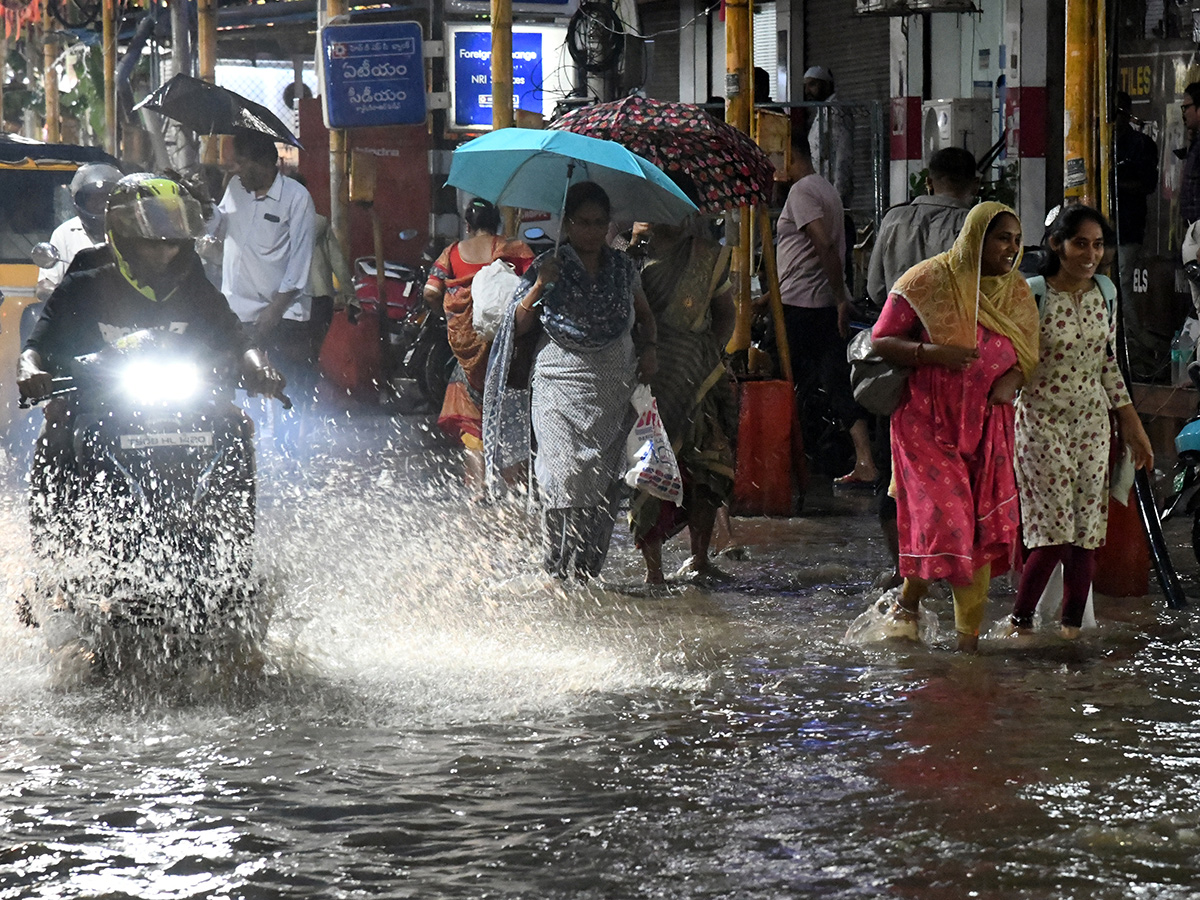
x=532, y=169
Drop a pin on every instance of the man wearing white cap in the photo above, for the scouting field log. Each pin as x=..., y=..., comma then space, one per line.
x=830, y=134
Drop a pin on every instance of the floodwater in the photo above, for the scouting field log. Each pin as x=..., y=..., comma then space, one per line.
x=434, y=721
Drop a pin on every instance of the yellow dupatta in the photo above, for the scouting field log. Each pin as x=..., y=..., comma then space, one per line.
x=950, y=295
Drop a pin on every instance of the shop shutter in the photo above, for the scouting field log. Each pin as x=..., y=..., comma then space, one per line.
x=660, y=19
x=857, y=50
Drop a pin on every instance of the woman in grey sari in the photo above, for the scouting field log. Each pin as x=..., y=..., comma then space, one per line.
x=598, y=338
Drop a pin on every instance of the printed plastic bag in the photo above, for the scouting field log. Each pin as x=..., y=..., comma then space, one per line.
x=491, y=290
x=652, y=464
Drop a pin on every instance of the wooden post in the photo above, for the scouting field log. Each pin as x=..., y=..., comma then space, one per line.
x=339, y=162
x=502, y=64
x=502, y=85
x=111, y=125
x=206, y=59
x=50, y=78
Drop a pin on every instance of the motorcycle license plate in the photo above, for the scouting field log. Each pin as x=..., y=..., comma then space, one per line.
x=150, y=441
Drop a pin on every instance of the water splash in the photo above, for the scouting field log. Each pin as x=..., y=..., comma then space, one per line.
x=876, y=623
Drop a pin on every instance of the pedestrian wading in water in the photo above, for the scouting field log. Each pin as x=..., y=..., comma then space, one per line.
x=965, y=321
x=1063, y=422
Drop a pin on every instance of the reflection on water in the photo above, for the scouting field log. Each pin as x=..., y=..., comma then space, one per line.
x=433, y=720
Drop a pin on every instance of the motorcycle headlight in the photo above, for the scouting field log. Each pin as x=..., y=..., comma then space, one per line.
x=155, y=381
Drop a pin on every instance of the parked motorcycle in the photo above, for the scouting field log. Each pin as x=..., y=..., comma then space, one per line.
x=1185, y=500
x=414, y=349
x=147, y=536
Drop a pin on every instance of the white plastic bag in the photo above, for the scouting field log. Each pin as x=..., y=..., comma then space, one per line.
x=1049, y=608
x=652, y=464
x=491, y=290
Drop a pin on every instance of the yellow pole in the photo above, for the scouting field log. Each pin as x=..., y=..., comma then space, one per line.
x=109, y=12
x=738, y=89
x=1080, y=112
x=768, y=251
x=50, y=78
x=1103, y=179
x=339, y=161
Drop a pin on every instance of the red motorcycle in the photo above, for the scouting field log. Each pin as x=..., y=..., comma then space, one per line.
x=405, y=348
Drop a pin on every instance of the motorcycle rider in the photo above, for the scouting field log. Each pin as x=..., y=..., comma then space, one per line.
x=150, y=279
x=90, y=187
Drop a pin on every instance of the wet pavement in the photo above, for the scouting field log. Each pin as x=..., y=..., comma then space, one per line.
x=433, y=719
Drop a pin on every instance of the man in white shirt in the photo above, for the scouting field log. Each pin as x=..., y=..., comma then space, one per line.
x=267, y=222
x=90, y=188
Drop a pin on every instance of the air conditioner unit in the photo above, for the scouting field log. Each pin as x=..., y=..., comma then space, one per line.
x=964, y=122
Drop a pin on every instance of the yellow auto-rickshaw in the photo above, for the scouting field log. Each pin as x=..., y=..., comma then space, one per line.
x=34, y=200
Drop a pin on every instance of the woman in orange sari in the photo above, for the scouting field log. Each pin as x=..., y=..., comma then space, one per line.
x=966, y=323
x=449, y=288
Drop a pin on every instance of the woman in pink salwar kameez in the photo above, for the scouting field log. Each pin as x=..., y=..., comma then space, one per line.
x=967, y=324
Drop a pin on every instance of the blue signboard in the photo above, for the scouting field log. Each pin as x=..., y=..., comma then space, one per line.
x=473, y=75
x=374, y=74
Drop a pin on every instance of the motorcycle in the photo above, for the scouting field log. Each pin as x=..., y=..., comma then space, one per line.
x=1185, y=499
x=413, y=344
x=146, y=534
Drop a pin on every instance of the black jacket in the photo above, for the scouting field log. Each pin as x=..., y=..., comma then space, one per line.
x=95, y=306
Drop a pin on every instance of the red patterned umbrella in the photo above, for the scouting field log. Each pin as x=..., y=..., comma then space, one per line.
x=729, y=169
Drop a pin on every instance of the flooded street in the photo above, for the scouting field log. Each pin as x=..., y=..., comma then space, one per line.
x=434, y=720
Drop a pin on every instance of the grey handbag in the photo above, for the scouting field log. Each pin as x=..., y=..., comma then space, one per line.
x=877, y=384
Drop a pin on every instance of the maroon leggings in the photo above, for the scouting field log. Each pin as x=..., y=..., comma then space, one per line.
x=1079, y=568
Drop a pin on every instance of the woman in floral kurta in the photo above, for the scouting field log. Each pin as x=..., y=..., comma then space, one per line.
x=966, y=322
x=1063, y=430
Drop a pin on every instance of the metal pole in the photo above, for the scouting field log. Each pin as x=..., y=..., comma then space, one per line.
x=50, y=78
x=181, y=38
x=111, y=141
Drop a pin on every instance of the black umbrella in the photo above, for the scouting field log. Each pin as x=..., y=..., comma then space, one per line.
x=209, y=109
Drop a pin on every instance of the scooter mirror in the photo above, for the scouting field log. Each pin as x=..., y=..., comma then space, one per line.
x=44, y=255
x=408, y=234
x=534, y=234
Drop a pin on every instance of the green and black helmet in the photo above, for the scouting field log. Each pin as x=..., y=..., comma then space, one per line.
x=149, y=206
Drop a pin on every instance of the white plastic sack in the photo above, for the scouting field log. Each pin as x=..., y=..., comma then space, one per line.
x=491, y=290
x=653, y=467
x=1049, y=608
